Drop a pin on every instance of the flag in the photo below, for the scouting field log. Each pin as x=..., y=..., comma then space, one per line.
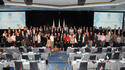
x=101, y=68
x=59, y=23
x=20, y=68
x=63, y=23
x=107, y=57
x=53, y=23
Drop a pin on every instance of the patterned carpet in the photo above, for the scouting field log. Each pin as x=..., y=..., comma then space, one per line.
x=58, y=61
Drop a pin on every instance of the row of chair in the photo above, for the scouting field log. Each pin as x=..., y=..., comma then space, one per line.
x=33, y=66
x=100, y=66
x=10, y=57
x=109, y=55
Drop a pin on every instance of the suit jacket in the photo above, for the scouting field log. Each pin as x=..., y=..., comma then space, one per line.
x=77, y=38
x=30, y=37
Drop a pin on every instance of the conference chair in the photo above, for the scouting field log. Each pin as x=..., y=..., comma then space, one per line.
x=18, y=66
x=75, y=58
x=21, y=50
x=109, y=50
x=25, y=57
x=92, y=57
x=8, y=68
x=29, y=50
x=76, y=50
x=83, y=66
x=116, y=55
x=41, y=50
x=34, y=66
x=99, y=50
x=1, y=50
x=101, y=66
x=9, y=57
x=37, y=56
x=87, y=49
x=122, y=68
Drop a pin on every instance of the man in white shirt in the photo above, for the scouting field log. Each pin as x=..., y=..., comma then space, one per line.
x=52, y=40
x=39, y=39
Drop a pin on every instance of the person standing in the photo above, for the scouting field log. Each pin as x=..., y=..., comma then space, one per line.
x=39, y=39
x=102, y=40
x=52, y=41
x=13, y=37
x=108, y=38
x=79, y=39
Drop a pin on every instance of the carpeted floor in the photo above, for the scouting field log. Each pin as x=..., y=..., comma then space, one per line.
x=58, y=61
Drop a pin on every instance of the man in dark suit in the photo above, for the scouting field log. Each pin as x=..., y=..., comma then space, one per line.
x=79, y=39
x=43, y=40
x=18, y=40
x=91, y=38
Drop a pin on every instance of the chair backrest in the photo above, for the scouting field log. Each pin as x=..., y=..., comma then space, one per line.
x=101, y=66
x=25, y=57
x=83, y=66
x=92, y=57
x=116, y=55
x=122, y=68
x=34, y=66
x=18, y=66
x=76, y=50
x=109, y=49
x=41, y=50
x=99, y=50
x=8, y=68
x=1, y=50
x=75, y=58
x=9, y=57
x=21, y=49
x=87, y=49
x=37, y=56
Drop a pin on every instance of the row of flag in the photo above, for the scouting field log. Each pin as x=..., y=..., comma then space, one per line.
x=59, y=23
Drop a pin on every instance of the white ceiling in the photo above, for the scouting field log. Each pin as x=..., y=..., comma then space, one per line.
x=118, y=5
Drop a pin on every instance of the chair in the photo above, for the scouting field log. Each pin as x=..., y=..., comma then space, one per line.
x=9, y=57
x=99, y=50
x=92, y=57
x=21, y=50
x=76, y=50
x=83, y=66
x=109, y=49
x=1, y=50
x=18, y=66
x=34, y=66
x=87, y=49
x=75, y=58
x=109, y=55
x=25, y=57
x=8, y=68
x=29, y=50
x=41, y=50
x=101, y=66
x=122, y=68
x=37, y=56
x=116, y=55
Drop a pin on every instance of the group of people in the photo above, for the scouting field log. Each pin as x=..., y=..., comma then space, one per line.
x=63, y=37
